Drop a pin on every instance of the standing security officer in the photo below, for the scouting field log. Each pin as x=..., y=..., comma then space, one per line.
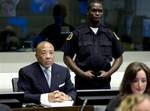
x=93, y=46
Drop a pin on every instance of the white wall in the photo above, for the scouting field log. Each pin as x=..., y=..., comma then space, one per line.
x=10, y=63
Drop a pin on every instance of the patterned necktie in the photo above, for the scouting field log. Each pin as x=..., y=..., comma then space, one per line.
x=48, y=76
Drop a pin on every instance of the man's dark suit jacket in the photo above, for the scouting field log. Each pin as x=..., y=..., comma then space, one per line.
x=33, y=82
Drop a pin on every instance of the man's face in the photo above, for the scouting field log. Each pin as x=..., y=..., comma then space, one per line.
x=45, y=55
x=95, y=12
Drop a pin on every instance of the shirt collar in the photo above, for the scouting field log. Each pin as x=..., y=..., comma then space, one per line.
x=43, y=68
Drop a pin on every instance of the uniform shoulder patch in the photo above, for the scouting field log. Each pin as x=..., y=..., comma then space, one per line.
x=69, y=36
x=116, y=35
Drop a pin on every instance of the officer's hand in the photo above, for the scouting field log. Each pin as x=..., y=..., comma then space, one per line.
x=88, y=74
x=103, y=75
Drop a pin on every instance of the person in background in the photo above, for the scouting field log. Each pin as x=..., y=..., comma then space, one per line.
x=9, y=38
x=39, y=85
x=136, y=80
x=8, y=8
x=94, y=46
x=56, y=33
x=135, y=102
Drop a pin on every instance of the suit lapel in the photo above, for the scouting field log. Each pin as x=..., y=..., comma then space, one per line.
x=40, y=77
x=55, y=77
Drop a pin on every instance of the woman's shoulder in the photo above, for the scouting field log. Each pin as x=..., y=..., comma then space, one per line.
x=114, y=102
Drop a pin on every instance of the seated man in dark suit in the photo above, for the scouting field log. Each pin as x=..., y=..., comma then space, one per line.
x=33, y=79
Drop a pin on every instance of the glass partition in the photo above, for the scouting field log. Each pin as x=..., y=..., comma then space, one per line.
x=23, y=21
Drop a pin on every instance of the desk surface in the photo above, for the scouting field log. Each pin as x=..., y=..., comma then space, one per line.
x=73, y=108
x=96, y=96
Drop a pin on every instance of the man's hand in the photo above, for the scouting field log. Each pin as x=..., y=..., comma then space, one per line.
x=103, y=75
x=58, y=96
x=88, y=74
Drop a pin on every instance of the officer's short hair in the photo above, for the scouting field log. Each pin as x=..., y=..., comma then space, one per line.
x=91, y=2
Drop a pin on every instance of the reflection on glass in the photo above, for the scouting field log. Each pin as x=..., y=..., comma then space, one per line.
x=129, y=19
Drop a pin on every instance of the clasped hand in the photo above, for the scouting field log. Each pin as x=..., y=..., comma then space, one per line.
x=90, y=74
x=58, y=96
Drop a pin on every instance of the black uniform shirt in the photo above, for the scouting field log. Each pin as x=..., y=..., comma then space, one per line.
x=93, y=51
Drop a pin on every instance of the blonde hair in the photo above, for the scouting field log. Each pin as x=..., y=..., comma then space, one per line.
x=130, y=101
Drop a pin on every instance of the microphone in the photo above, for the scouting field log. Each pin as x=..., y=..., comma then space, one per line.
x=84, y=104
